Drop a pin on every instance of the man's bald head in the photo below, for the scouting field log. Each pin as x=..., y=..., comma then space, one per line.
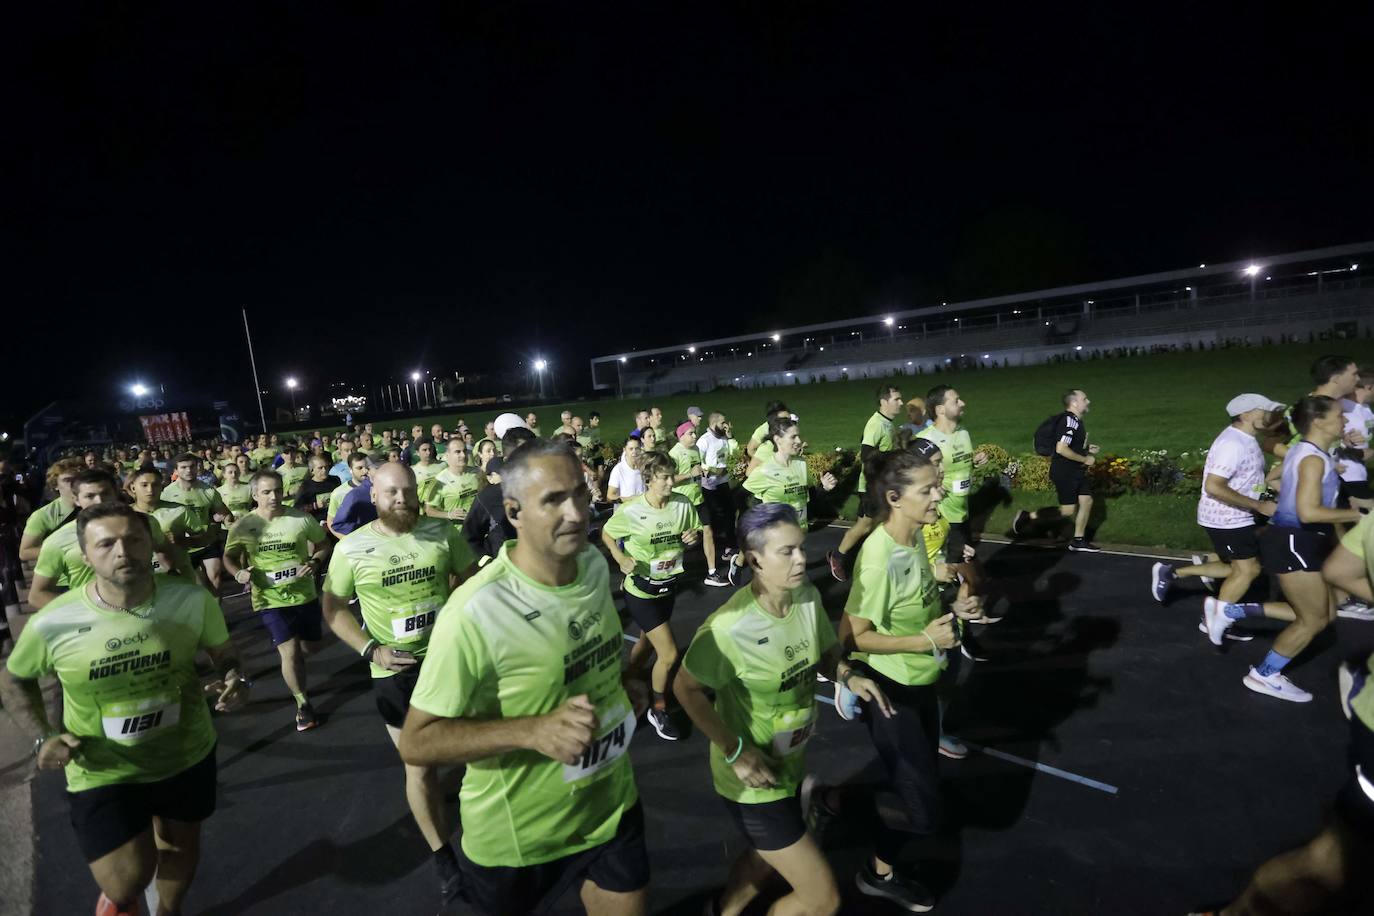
x=392, y=474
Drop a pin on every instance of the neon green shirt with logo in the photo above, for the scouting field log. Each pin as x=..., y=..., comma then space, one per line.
x=202, y=503
x=763, y=671
x=772, y=482
x=276, y=549
x=172, y=521
x=425, y=476
x=47, y=519
x=956, y=450
x=653, y=537
x=336, y=499
x=291, y=478
x=877, y=433
x=263, y=457
x=130, y=690
x=687, y=458
x=238, y=498
x=894, y=587
x=60, y=558
x=507, y=647
x=401, y=581
x=454, y=491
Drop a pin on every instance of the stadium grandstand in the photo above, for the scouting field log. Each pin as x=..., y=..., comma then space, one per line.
x=1319, y=293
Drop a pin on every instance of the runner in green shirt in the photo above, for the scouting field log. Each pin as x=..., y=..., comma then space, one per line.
x=877, y=437
x=263, y=455
x=646, y=538
x=893, y=615
x=292, y=475
x=204, y=513
x=51, y=516
x=946, y=409
x=455, y=487
x=136, y=740
x=279, y=550
x=760, y=654
x=523, y=685
x=426, y=469
x=359, y=466
x=689, y=471
x=402, y=567
x=236, y=495
x=61, y=567
x=783, y=477
x=145, y=485
x=760, y=444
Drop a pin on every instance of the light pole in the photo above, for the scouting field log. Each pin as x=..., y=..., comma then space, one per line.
x=620, y=378
x=291, y=387
x=539, y=367
x=1252, y=271
x=414, y=390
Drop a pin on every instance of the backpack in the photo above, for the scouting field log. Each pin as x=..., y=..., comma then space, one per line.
x=1044, y=436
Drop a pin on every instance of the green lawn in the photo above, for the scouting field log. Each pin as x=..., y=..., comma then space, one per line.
x=1174, y=401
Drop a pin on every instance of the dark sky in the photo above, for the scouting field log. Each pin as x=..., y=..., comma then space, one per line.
x=386, y=188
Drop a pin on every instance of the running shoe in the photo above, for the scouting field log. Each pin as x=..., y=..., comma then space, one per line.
x=1355, y=609
x=1277, y=686
x=1350, y=681
x=1214, y=619
x=306, y=718
x=836, y=566
x=728, y=554
x=821, y=678
x=1083, y=545
x=1207, y=581
x=905, y=892
x=846, y=703
x=953, y=748
x=815, y=812
x=1163, y=577
x=662, y=724
x=971, y=652
x=1018, y=523
x=717, y=578
x=1230, y=634
x=738, y=575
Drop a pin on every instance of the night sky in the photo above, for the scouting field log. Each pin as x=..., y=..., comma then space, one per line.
x=387, y=189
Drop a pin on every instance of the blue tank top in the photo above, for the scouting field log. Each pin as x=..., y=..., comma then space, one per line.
x=1287, y=512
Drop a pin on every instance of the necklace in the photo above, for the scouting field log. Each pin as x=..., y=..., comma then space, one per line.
x=114, y=607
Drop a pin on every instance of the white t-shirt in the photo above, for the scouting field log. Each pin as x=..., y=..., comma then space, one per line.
x=1358, y=419
x=627, y=481
x=1236, y=457
x=712, y=449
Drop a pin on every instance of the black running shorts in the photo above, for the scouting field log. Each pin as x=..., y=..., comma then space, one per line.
x=1289, y=550
x=769, y=825
x=1235, y=543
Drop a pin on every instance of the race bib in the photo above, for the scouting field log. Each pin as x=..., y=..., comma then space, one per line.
x=408, y=626
x=961, y=486
x=135, y=720
x=157, y=565
x=604, y=750
x=666, y=567
x=278, y=576
x=792, y=729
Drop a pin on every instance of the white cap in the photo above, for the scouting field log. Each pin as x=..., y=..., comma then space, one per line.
x=508, y=421
x=1242, y=403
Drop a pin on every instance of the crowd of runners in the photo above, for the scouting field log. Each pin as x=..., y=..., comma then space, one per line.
x=487, y=580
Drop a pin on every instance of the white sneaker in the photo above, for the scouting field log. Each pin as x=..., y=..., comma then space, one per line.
x=1230, y=634
x=1207, y=581
x=1215, y=619
x=1345, y=684
x=1277, y=686
x=953, y=748
x=1355, y=609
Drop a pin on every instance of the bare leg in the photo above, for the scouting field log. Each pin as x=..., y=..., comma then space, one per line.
x=426, y=800
x=748, y=876
x=124, y=873
x=1311, y=601
x=178, y=854
x=661, y=637
x=1080, y=522
x=861, y=529
x=1308, y=879
x=293, y=666
x=598, y=902
x=708, y=547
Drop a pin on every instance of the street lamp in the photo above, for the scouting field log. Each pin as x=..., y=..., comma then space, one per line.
x=291, y=387
x=539, y=367
x=138, y=389
x=1252, y=271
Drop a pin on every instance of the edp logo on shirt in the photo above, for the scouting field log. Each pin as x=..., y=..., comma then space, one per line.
x=577, y=628
x=114, y=643
x=793, y=651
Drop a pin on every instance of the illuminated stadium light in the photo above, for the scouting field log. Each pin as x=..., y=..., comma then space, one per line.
x=691, y=349
x=539, y=365
x=1079, y=347
x=888, y=321
x=622, y=359
x=138, y=389
x=291, y=383
x=1251, y=270
x=777, y=337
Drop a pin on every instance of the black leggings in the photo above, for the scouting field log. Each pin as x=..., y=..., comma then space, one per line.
x=908, y=746
x=720, y=515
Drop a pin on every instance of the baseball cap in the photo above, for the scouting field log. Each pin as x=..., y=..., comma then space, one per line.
x=494, y=465
x=683, y=429
x=1244, y=402
x=508, y=421
x=694, y=412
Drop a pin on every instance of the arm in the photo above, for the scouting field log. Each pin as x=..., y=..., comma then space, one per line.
x=1309, y=498
x=750, y=765
x=23, y=700
x=1219, y=488
x=236, y=561
x=623, y=560
x=342, y=622
x=837, y=668
x=1346, y=571
x=43, y=591
x=1061, y=448
x=562, y=735
x=857, y=633
x=29, y=545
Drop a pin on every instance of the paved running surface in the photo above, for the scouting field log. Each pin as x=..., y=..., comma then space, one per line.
x=1194, y=780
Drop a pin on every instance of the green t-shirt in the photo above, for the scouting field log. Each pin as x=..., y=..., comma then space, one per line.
x=60, y=558
x=291, y=478
x=653, y=537
x=238, y=498
x=276, y=549
x=956, y=450
x=877, y=433
x=763, y=671
x=454, y=491
x=507, y=647
x=336, y=499
x=687, y=458
x=47, y=519
x=202, y=504
x=894, y=587
x=263, y=457
x=401, y=581
x=424, y=478
x=1356, y=539
x=772, y=482
x=129, y=686
x=173, y=521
